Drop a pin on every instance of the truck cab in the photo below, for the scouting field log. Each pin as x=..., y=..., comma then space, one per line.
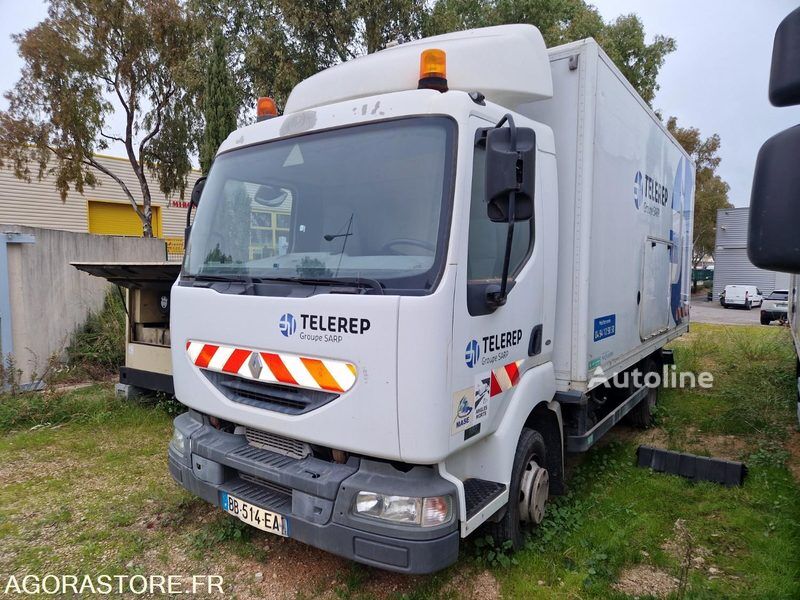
x=363, y=329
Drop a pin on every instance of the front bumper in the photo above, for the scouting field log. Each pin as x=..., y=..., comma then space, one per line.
x=317, y=497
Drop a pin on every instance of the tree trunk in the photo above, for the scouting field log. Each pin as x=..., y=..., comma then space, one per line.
x=147, y=222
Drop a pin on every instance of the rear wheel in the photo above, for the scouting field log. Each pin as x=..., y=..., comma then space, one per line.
x=764, y=319
x=748, y=305
x=643, y=414
x=530, y=488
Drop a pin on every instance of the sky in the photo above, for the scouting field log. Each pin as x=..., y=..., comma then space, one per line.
x=716, y=80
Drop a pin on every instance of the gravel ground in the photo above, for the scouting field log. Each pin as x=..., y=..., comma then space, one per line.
x=712, y=312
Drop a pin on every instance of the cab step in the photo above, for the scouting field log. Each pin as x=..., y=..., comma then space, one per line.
x=479, y=493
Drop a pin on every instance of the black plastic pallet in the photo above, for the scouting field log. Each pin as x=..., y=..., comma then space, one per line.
x=696, y=468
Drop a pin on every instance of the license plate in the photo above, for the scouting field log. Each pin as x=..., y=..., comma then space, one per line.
x=255, y=516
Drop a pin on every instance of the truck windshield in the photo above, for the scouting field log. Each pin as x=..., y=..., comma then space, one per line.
x=369, y=201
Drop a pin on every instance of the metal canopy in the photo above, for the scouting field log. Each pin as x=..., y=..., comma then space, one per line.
x=133, y=274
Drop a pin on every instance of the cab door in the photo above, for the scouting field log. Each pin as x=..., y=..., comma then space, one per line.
x=491, y=348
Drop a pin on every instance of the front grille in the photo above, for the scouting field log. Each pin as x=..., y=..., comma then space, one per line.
x=280, y=489
x=277, y=443
x=269, y=396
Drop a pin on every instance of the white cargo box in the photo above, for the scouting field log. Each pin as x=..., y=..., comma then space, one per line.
x=626, y=191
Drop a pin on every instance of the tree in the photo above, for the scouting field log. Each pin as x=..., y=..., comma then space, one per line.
x=562, y=21
x=711, y=192
x=87, y=61
x=220, y=103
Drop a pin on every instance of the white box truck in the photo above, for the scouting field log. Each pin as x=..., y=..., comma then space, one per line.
x=402, y=298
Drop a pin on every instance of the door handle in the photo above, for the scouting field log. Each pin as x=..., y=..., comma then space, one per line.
x=535, y=346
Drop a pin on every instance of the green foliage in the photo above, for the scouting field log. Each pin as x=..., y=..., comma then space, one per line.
x=99, y=346
x=223, y=529
x=49, y=408
x=488, y=553
x=711, y=192
x=168, y=404
x=562, y=21
x=220, y=103
x=89, y=60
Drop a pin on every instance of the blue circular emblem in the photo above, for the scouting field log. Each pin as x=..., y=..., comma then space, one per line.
x=472, y=353
x=287, y=324
x=637, y=189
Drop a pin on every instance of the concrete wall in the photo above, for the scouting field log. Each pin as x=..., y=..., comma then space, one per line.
x=46, y=297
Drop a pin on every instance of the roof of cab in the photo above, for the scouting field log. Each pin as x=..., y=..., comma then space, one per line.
x=508, y=64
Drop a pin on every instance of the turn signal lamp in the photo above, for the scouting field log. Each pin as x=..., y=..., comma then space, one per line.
x=432, y=70
x=266, y=109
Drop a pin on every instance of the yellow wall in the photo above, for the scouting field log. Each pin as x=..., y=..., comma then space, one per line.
x=117, y=218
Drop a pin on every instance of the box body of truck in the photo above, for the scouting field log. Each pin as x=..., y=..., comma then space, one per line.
x=364, y=380
x=625, y=190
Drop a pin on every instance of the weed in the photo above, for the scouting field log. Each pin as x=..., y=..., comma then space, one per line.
x=489, y=554
x=223, y=529
x=99, y=346
x=169, y=404
x=770, y=453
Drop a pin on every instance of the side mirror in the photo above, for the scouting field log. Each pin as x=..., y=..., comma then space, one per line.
x=197, y=191
x=784, y=77
x=194, y=200
x=775, y=204
x=510, y=168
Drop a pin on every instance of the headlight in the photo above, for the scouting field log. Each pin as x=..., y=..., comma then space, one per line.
x=178, y=441
x=426, y=512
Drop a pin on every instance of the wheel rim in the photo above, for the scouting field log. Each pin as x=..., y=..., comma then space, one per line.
x=534, y=490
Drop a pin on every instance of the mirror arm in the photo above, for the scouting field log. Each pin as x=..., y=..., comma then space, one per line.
x=188, y=229
x=496, y=297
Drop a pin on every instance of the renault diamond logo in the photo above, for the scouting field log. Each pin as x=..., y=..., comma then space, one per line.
x=255, y=364
x=287, y=324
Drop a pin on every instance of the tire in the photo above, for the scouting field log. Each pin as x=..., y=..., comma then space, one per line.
x=748, y=305
x=530, y=447
x=642, y=416
x=765, y=319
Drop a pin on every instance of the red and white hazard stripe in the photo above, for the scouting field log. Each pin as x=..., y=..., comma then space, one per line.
x=271, y=367
x=504, y=378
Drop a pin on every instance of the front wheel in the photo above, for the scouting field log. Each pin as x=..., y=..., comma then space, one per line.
x=765, y=319
x=748, y=305
x=530, y=488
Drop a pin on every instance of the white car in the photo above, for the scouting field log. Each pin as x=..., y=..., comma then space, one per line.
x=745, y=296
x=775, y=307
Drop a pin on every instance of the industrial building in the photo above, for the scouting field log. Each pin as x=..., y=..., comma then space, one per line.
x=103, y=209
x=731, y=265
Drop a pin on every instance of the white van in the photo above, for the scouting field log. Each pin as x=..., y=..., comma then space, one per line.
x=746, y=296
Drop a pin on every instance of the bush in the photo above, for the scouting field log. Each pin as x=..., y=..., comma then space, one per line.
x=99, y=346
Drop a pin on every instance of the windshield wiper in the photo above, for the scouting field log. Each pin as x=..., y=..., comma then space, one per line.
x=358, y=282
x=245, y=280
